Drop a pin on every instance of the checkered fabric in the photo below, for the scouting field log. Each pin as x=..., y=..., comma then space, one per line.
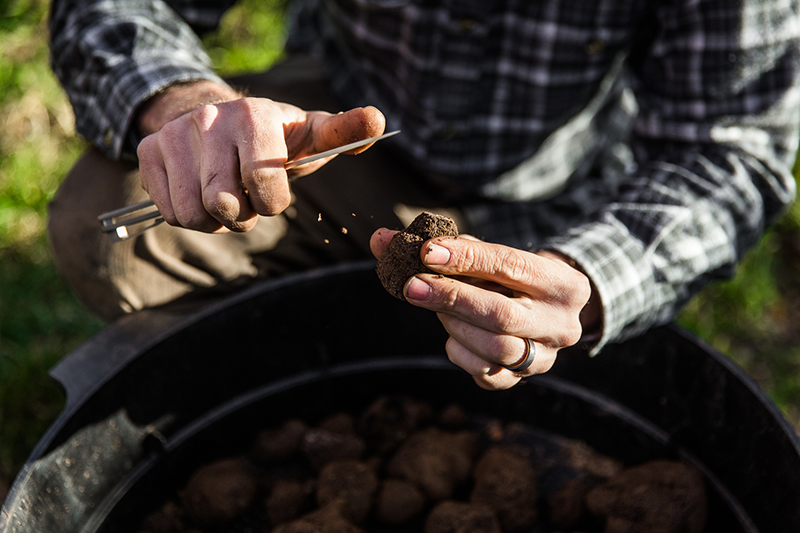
x=650, y=140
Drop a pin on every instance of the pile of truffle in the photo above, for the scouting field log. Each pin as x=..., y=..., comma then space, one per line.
x=401, y=465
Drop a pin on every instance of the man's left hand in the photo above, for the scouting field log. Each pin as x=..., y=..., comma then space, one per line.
x=493, y=298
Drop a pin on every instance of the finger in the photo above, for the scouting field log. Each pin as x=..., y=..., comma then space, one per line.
x=489, y=310
x=491, y=347
x=262, y=151
x=380, y=241
x=224, y=194
x=487, y=375
x=325, y=131
x=515, y=269
x=505, y=350
x=331, y=131
x=153, y=178
x=178, y=144
x=221, y=184
x=495, y=312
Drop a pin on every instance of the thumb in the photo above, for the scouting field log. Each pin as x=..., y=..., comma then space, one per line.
x=380, y=240
x=332, y=131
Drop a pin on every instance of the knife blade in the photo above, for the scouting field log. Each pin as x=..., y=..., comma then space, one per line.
x=339, y=150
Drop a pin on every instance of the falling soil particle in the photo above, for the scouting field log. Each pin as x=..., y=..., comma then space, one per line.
x=327, y=241
x=344, y=231
x=319, y=217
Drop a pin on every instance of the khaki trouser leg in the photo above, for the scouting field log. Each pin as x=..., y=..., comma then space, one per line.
x=333, y=214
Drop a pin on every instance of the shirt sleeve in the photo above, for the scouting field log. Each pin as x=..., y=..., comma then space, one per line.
x=112, y=55
x=715, y=141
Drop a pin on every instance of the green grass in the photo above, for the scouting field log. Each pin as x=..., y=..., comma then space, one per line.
x=752, y=318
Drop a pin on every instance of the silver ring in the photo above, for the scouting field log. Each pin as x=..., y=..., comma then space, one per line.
x=526, y=360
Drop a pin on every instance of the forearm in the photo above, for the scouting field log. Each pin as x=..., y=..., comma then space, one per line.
x=671, y=233
x=114, y=55
x=715, y=140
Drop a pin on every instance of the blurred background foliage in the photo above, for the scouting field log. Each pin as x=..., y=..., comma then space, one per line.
x=752, y=318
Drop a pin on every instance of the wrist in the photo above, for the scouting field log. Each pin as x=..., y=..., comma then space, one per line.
x=178, y=99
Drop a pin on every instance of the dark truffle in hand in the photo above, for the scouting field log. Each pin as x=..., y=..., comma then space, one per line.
x=401, y=260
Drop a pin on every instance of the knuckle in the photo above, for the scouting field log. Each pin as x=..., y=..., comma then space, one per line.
x=514, y=264
x=546, y=365
x=449, y=294
x=170, y=130
x=170, y=218
x=145, y=147
x=223, y=206
x=204, y=116
x=250, y=111
x=581, y=288
x=510, y=318
x=464, y=258
x=568, y=335
x=191, y=217
x=496, y=383
x=272, y=204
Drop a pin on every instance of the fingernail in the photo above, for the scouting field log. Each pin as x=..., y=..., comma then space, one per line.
x=437, y=255
x=416, y=289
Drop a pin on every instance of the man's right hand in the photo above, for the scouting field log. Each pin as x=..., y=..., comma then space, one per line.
x=215, y=167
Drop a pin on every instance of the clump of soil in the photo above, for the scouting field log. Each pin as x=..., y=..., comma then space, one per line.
x=219, y=492
x=505, y=481
x=401, y=260
x=398, y=501
x=403, y=465
x=566, y=507
x=327, y=519
x=281, y=443
x=656, y=497
x=460, y=517
x=288, y=499
x=352, y=484
x=436, y=461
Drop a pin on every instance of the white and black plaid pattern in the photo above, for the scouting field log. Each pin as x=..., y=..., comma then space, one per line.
x=650, y=140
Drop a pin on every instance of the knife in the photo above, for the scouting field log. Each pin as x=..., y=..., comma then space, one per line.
x=115, y=223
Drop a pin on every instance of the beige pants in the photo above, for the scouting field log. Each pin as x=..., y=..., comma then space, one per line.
x=333, y=215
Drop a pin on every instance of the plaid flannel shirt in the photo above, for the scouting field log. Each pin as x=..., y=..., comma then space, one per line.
x=651, y=141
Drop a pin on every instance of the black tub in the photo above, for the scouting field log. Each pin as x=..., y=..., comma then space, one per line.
x=161, y=391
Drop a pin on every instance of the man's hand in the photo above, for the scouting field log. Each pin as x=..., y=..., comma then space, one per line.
x=214, y=167
x=501, y=296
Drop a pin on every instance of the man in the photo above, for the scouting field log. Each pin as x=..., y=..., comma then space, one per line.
x=612, y=156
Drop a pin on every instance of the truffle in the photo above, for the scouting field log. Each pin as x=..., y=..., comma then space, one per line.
x=398, y=501
x=461, y=517
x=287, y=499
x=435, y=461
x=401, y=260
x=219, y=492
x=656, y=497
x=505, y=481
x=350, y=483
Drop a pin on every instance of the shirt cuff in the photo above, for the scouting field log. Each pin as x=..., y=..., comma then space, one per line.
x=116, y=135
x=616, y=264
